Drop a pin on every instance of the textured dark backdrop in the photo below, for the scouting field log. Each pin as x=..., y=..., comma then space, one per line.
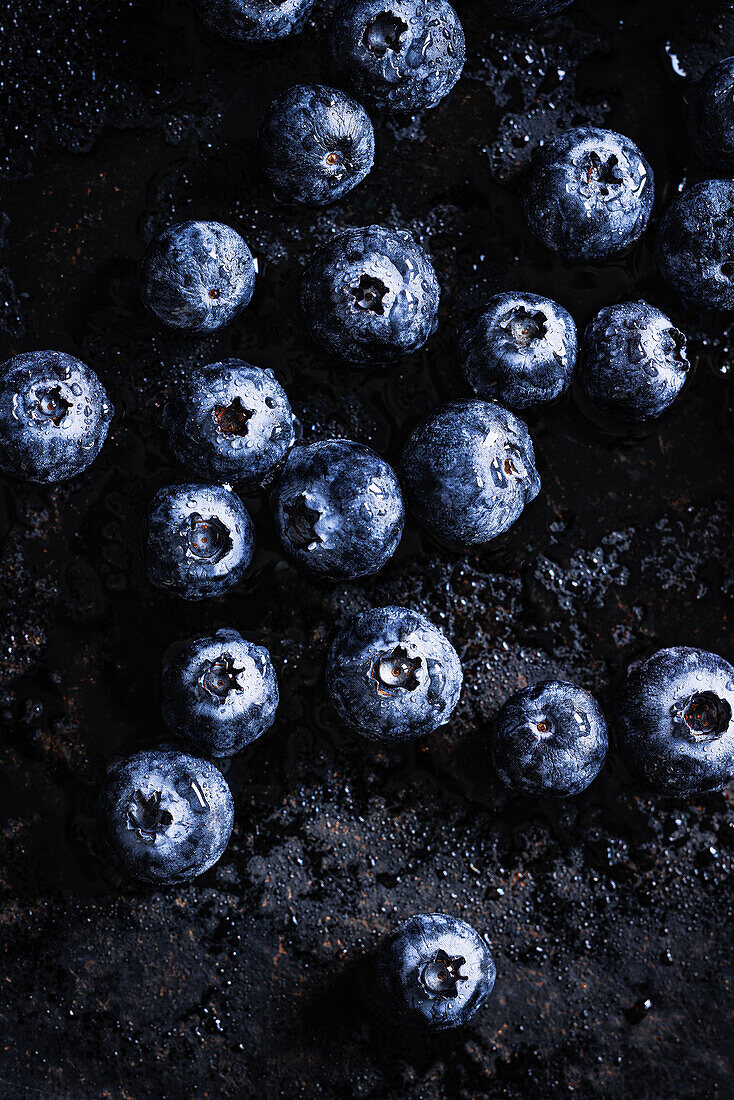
x=611, y=915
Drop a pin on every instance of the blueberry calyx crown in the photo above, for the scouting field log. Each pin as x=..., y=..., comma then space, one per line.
x=703, y=716
x=205, y=539
x=301, y=520
x=396, y=670
x=50, y=406
x=369, y=294
x=232, y=419
x=441, y=975
x=525, y=325
x=384, y=33
x=146, y=816
x=219, y=677
x=603, y=173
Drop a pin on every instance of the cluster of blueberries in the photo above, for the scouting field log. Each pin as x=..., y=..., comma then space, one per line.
x=369, y=296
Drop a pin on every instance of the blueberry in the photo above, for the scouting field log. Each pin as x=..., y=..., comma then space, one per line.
x=338, y=508
x=255, y=22
x=695, y=244
x=674, y=721
x=549, y=739
x=229, y=421
x=166, y=816
x=711, y=117
x=433, y=971
x=520, y=350
x=588, y=194
x=634, y=363
x=199, y=540
x=370, y=295
x=197, y=276
x=468, y=471
x=54, y=416
x=219, y=692
x=392, y=675
x=526, y=11
x=399, y=55
x=315, y=144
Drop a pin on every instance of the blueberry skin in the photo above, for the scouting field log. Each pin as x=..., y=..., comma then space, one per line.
x=634, y=363
x=315, y=144
x=711, y=116
x=399, y=55
x=370, y=295
x=695, y=244
x=392, y=675
x=520, y=350
x=199, y=540
x=526, y=11
x=588, y=194
x=219, y=692
x=674, y=721
x=229, y=421
x=549, y=740
x=166, y=816
x=54, y=416
x=255, y=22
x=197, y=276
x=433, y=972
x=468, y=471
x=338, y=509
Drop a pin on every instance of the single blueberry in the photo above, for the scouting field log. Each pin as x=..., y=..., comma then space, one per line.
x=588, y=194
x=197, y=276
x=54, y=416
x=315, y=144
x=711, y=116
x=674, y=721
x=166, y=816
x=399, y=55
x=338, y=508
x=370, y=295
x=392, y=675
x=520, y=350
x=526, y=11
x=434, y=971
x=549, y=739
x=255, y=22
x=468, y=471
x=634, y=363
x=695, y=244
x=219, y=692
x=199, y=540
x=229, y=421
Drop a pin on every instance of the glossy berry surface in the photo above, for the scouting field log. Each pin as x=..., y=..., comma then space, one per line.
x=370, y=295
x=315, y=144
x=588, y=194
x=549, y=739
x=434, y=971
x=199, y=540
x=634, y=363
x=468, y=471
x=229, y=421
x=197, y=276
x=219, y=692
x=674, y=721
x=520, y=350
x=392, y=675
x=255, y=22
x=399, y=55
x=54, y=416
x=525, y=11
x=695, y=244
x=711, y=117
x=338, y=508
x=166, y=816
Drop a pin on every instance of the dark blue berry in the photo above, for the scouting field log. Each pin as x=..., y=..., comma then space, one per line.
x=255, y=22
x=695, y=244
x=711, y=117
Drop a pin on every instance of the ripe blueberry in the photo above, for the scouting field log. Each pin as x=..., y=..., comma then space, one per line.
x=255, y=22
x=711, y=117
x=695, y=244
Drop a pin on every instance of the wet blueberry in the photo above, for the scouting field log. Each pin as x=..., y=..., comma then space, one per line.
x=220, y=692
x=549, y=739
x=526, y=11
x=54, y=416
x=674, y=721
x=166, y=816
x=588, y=194
x=255, y=22
x=197, y=276
x=434, y=971
x=392, y=675
x=711, y=117
x=370, y=295
x=199, y=540
x=520, y=350
x=315, y=144
x=229, y=421
x=338, y=508
x=400, y=55
x=695, y=244
x=468, y=471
